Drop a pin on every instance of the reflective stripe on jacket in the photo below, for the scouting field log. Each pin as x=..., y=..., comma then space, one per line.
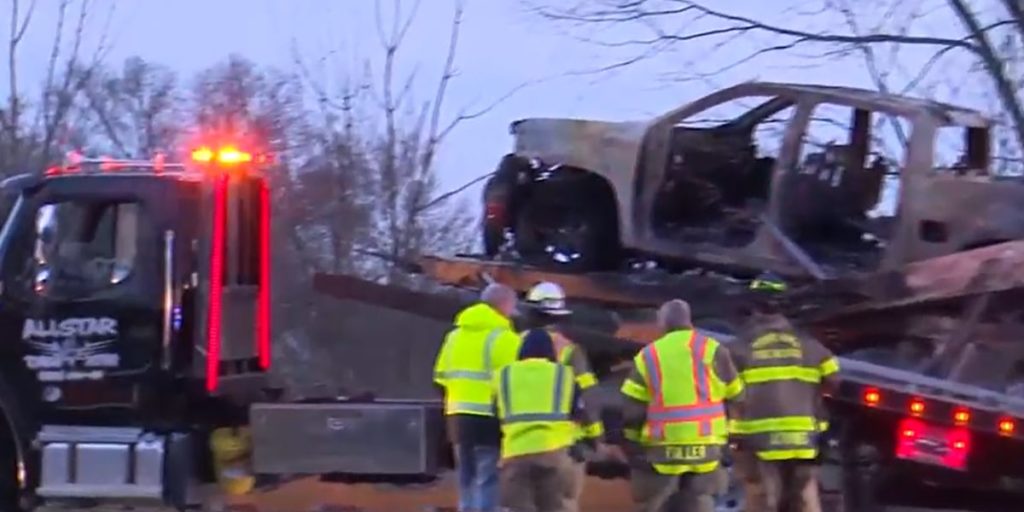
x=573, y=357
x=534, y=398
x=679, y=380
x=481, y=343
x=783, y=373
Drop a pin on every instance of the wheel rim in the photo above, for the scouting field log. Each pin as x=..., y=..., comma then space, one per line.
x=565, y=242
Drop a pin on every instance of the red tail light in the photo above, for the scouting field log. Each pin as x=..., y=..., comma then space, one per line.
x=916, y=407
x=962, y=416
x=213, y=333
x=263, y=299
x=1007, y=426
x=872, y=397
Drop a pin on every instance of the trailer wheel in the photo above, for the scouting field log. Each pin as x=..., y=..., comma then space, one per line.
x=569, y=223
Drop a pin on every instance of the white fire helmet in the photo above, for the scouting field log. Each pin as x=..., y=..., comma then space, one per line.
x=547, y=298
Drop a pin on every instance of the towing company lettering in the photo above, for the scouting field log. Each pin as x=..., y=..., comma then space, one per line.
x=71, y=349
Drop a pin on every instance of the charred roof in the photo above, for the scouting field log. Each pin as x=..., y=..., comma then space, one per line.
x=943, y=113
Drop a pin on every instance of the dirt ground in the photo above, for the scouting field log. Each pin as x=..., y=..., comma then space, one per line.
x=312, y=495
x=308, y=494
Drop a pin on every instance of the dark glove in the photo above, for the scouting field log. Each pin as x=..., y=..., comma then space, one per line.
x=577, y=453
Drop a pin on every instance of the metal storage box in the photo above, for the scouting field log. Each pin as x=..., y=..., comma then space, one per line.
x=378, y=438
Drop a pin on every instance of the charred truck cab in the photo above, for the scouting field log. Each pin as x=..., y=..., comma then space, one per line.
x=135, y=314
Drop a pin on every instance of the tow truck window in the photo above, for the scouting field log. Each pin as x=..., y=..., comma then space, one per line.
x=83, y=247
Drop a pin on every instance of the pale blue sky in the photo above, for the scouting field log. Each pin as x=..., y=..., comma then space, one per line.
x=501, y=47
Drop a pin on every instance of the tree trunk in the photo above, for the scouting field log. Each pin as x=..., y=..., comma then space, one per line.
x=994, y=65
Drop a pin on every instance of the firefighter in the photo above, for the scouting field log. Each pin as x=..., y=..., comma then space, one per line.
x=546, y=308
x=674, y=417
x=539, y=406
x=776, y=429
x=482, y=342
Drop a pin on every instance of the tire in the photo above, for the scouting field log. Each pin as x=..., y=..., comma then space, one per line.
x=569, y=224
x=13, y=428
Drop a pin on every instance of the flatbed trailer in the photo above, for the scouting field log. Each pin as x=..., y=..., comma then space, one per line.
x=890, y=425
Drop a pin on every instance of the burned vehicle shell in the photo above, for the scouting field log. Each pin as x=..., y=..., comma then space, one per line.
x=683, y=190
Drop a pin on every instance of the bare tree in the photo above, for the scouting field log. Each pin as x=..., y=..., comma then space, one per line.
x=406, y=152
x=400, y=139
x=138, y=111
x=692, y=20
x=33, y=132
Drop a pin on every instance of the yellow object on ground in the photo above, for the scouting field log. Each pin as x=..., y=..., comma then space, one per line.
x=231, y=449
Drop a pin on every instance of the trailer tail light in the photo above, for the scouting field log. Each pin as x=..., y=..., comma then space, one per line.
x=921, y=442
x=263, y=297
x=916, y=406
x=872, y=397
x=1007, y=426
x=961, y=416
x=218, y=235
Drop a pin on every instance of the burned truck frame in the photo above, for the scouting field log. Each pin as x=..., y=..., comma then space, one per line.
x=687, y=191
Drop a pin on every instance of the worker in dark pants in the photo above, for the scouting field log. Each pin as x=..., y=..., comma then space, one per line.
x=777, y=427
x=545, y=310
x=539, y=408
x=674, y=415
x=481, y=343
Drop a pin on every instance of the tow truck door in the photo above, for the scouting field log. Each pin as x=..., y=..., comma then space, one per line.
x=80, y=303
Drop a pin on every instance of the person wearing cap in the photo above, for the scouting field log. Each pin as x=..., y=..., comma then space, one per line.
x=539, y=407
x=776, y=429
x=545, y=310
x=481, y=343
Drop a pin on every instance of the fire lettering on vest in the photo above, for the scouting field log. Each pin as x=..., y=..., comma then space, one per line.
x=777, y=353
x=686, y=453
x=773, y=338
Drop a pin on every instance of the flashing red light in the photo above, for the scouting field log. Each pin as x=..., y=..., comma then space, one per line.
x=107, y=163
x=961, y=416
x=215, y=306
x=872, y=397
x=74, y=158
x=263, y=299
x=225, y=155
x=917, y=406
x=203, y=154
x=1007, y=426
x=231, y=155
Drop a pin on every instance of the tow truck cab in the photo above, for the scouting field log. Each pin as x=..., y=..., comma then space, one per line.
x=134, y=304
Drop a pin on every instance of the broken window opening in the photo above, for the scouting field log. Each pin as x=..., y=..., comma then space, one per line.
x=960, y=151
x=719, y=167
x=840, y=201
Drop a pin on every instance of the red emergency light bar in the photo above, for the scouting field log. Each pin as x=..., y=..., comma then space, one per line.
x=227, y=155
x=74, y=163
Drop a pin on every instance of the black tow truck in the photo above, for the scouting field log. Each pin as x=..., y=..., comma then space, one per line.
x=135, y=310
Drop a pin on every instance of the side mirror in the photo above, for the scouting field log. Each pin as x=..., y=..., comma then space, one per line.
x=46, y=236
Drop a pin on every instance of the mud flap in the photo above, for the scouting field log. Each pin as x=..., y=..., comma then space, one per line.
x=373, y=438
